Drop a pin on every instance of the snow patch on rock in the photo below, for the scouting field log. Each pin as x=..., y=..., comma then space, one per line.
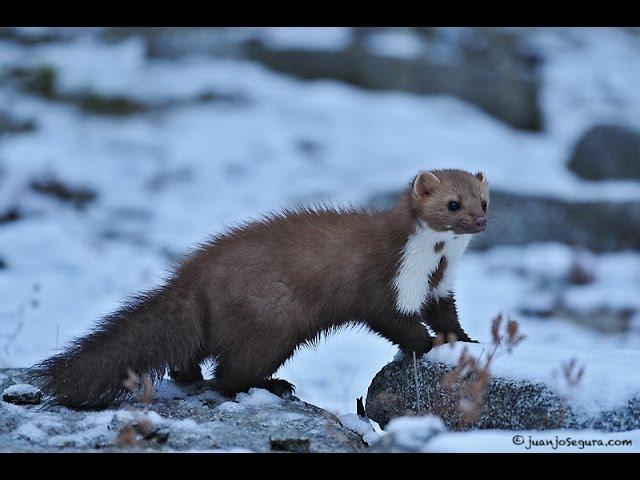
x=361, y=426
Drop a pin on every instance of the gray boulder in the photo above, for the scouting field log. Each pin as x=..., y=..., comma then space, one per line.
x=508, y=91
x=22, y=394
x=509, y=404
x=608, y=225
x=191, y=418
x=607, y=152
x=9, y=124
x=491, y=68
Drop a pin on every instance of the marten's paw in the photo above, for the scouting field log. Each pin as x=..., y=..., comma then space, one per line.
x=277, y=386
x=461, y=337
x=468, y=340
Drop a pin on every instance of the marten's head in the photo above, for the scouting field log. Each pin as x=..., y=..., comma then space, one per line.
x=451, y=200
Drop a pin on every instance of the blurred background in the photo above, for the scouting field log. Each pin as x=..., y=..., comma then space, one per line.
x=122, y=148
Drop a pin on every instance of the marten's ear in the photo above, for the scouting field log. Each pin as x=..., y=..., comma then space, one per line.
x=481, y=176
x=424, y=183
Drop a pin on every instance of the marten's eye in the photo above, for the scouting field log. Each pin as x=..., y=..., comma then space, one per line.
x=453, y=206
x=484, y=206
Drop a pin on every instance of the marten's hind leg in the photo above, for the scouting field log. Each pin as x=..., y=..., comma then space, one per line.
x=234, y=374
x=264, y=335
x=278, y=386
x=251, y=360
x=189, y=374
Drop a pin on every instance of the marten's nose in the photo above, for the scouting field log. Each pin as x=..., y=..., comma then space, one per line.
x=481, y=222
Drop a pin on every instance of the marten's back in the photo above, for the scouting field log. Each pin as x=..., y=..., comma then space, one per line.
x=325, y=260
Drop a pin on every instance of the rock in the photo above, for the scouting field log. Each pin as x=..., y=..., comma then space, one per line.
x=9, y=215
x=509, y=404
x=22, y=394
x=117, y=105
x=40, y=80
x=122, y=105
x=610, y=225
x=605, y=318
x=193, y=418
x=580, y=272
x=9, y=124
x=78, y=196
x=494, y=70
x=509, y=94
x=175, y=42
x=607, y=152
x=289, y=444
x=30, y=36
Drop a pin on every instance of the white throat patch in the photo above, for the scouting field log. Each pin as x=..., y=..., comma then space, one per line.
x=419, y=259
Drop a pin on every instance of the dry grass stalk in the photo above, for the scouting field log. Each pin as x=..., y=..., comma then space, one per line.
x=571, y=373
x=569, y=377
x=126, y=437
x=143, y=392
x=461, y=391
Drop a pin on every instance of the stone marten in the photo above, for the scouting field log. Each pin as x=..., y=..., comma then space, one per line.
x=250, y=297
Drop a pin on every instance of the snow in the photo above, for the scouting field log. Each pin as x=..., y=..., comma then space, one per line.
x=411, y=432
x=428, y=434
x=597, y=86
x=229, y=407
x=30, y=431
x=615, y=274
x=549, y=441
x=21, y=389
x=165, y=181
x=396, y=43
x=219, y=450
x=257, y=397
x=320, y=38
x=361, y=426
x=169, y=390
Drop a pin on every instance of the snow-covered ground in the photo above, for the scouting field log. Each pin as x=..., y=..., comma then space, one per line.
x=428, y=434
x=565, y=441
x=167, y=179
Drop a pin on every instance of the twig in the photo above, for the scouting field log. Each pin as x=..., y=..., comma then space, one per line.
x=415, y=378
x=494, y=350
x=478, y=360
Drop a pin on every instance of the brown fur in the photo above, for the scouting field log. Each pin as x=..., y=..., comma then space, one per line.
x=250, y=297
x=438, y=247
x=436, y=276
x=432, y=198
x=442, y=316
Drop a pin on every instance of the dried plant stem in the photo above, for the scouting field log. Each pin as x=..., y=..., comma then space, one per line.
x=495, y=349
x=415, y=378
x=461, y=390
x=478, y=360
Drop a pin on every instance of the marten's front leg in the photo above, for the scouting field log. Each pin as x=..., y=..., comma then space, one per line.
x=407, y=332
x=442, y=315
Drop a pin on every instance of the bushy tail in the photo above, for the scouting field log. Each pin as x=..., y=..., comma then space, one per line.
x=154, y=331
